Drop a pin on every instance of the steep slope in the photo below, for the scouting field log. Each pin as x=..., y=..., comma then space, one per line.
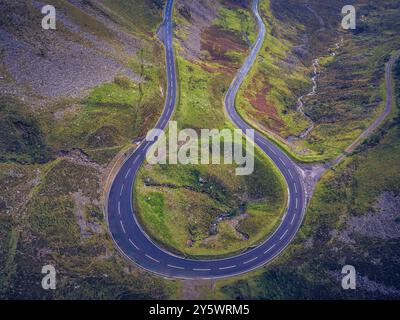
x=72, y=99
x=337, y=74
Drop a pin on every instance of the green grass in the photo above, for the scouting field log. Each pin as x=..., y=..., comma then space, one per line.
x=140, y=16
x=55, y=220
x=200, y=98
x=239, y=21
x=82, y=19
x=214, y=191
x=65, y=176
x=112, y=115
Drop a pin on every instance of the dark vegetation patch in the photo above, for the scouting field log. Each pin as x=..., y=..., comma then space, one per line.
x=21, y=137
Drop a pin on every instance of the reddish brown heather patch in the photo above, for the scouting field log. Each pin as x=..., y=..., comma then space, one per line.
x=263, y=111
x=215, y=68
x=218, y=43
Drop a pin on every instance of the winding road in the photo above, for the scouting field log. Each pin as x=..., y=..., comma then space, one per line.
x=133, y=242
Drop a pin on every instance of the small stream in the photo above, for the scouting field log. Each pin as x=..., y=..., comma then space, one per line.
x=300, y=103
x=315, y=74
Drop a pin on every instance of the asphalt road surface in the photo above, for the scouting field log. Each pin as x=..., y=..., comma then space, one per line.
x=137, y=246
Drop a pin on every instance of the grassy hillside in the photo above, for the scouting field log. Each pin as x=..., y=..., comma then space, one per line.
x=350, y=78
x=100, y=86
x=22, y=139
x=353, y=219
x=358, y=74
x=74, y=99
x=249, y=207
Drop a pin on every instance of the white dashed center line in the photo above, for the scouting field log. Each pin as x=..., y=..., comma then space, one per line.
x=282, y=236
x=251, y=260
x=269, y=249
x=294, y=216
x=196, y=269
x=229, y=267
x=136, y=247
x=136, y=160
x=175, y=267
x=122, y=226
x=151, y=258
x=127, y=174
x=119, y=207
